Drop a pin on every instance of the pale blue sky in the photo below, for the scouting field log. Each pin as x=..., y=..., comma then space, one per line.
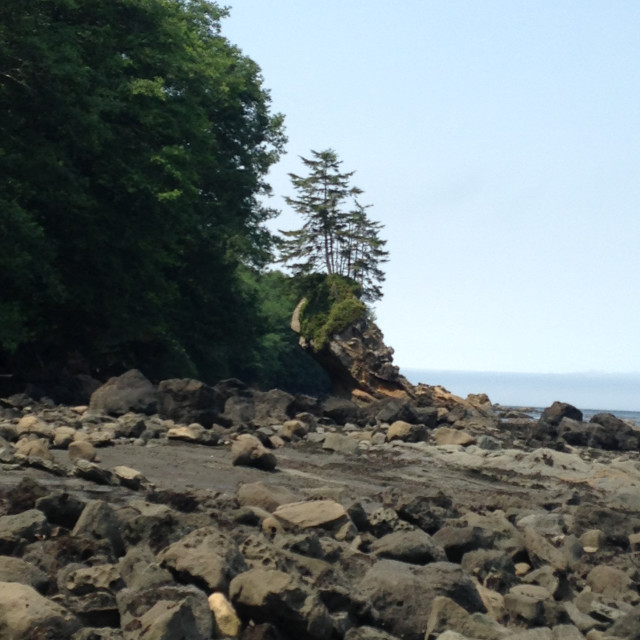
x=499, y=143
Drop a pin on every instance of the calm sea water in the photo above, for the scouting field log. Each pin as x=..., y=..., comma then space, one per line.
x=591, y=392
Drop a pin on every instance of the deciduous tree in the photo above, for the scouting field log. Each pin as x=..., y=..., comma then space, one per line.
x=134, y=144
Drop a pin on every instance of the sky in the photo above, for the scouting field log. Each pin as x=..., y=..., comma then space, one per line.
x=499, y=144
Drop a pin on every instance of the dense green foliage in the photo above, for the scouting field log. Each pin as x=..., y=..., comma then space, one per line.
x=334, y=238
x=278, y=359
x=134, y=143
x=332, y=304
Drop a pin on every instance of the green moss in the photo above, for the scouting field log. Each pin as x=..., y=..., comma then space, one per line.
x=341, y=315
x=332, y=305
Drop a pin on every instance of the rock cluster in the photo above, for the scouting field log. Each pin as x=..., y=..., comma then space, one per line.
x=191, y=512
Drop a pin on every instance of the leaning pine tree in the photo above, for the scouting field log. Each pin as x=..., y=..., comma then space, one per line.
x=337, y=236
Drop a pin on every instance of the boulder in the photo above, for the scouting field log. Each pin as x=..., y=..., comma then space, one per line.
x=63, y=437
x=227, y=622
x=164, y=613
x=238, y=410
x=128, y=477
x=388, y=410
x=266, y=496
x=98, y=520
x=554, y=581
x=427, y=511
x=24, y=613
x=130, y=425
x=194, y=433
x=61, y=509
x=608, y=581
x=615, y=525
x=446, y=435
x=341, y=410
x=541, y=551
x=82, y=450
x=32, y=425
x=492, y=567
x=534, y=606
x=401, y=430
x=415, y=547
x=129, y=392
x=92, y=471
x=272, y=407
x=140, y=570
x=447, y=615
x=205, y=557
x=23, y=496
x=547, y=426
x=609, y=432
x=593, y=539
x=456, y=541
x=293, y=428
x=186, y=401
x=272, y=596
x=248, y=451
x=18, y=570
x=403, y=594
x=340, y=443
x=325, y=514
x=627, y=626
x=21, y=528
x=101, y=577
x=558, y=410
x=34, y=448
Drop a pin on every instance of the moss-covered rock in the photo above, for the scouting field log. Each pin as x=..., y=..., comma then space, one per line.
x=332, y=304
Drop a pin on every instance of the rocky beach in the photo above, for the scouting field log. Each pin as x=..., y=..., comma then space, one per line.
x=184, y=511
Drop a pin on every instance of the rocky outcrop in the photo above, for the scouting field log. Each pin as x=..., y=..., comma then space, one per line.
x=358, y=361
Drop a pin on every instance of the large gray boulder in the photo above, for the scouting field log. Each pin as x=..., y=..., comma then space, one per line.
x=272, y=596
x=98, y=520
x=25, y=613
x=205, y=557
x=548, y=425
x=20, y=528
x=609, y=432
x=130, y=392
x=403, y=593
x=272, y=407
x=165, y=613
x=186, y=401
x=415, y=547
x=18, y=570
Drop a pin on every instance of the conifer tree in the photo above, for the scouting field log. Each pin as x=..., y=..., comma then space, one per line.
x=333, y=238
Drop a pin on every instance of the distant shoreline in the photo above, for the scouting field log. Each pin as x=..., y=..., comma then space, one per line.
x=591, y=392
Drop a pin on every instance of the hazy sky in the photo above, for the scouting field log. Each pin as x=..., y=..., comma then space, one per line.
x=499, y=143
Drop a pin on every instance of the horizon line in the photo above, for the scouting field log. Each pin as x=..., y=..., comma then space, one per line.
x=538, y=373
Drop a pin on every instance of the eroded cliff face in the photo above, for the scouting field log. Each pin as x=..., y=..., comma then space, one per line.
x=358, y=361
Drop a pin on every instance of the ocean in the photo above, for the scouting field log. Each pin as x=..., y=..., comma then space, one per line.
x=590, y=392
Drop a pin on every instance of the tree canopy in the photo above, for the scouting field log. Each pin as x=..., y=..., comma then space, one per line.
x=134, y=144
x=337, y=236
